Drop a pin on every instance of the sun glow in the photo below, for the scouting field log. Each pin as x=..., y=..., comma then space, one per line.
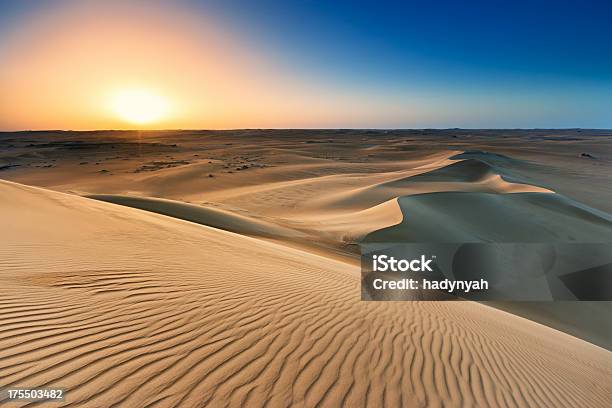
x=197, y=73
x=139, y=106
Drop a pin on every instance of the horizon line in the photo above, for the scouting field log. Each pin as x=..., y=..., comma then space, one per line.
x=297, y=128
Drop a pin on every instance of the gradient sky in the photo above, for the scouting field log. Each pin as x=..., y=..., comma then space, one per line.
x=308, y=64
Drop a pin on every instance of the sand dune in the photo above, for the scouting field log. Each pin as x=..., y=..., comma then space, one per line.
x=469, y=175
x=340, y=217
x=213, y=217
x=469, y=170
x=129, y=308
x=353, y=226
x=485, y=217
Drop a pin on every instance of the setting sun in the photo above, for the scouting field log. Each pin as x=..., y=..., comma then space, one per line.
x=139, y=106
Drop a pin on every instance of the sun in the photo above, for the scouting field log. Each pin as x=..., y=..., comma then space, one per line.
x=139, y=106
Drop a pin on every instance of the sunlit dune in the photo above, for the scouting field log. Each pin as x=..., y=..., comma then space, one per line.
x=235, y=279
x=158, y=311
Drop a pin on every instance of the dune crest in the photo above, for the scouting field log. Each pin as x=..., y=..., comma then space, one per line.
x=469, y=175
x=213, y=217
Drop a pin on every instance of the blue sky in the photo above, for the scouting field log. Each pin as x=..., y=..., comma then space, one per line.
x=553, y=54
x=494, y=63
x=561, y=39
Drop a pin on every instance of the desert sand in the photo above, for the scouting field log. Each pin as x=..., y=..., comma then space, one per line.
x=202, y=268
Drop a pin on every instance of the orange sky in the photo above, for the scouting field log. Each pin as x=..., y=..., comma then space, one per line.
x=63, y=69
x=149, y=64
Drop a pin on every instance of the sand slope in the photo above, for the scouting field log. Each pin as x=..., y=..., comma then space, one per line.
x=213, y=217
x=441, y=175
x=128, y=308
x=485, y=217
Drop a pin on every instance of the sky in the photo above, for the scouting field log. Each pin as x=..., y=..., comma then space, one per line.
x=305, y=64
